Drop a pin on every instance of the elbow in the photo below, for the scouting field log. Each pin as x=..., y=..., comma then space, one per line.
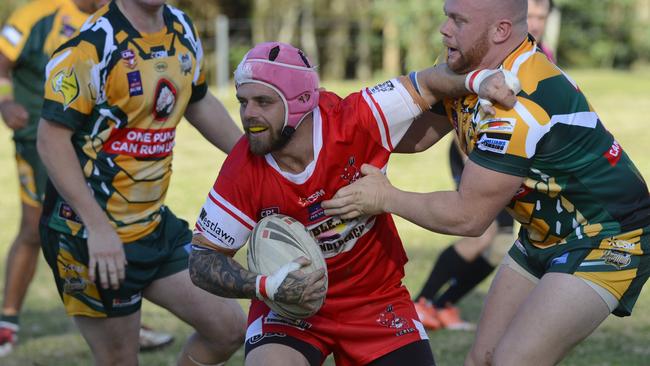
x=473, y=227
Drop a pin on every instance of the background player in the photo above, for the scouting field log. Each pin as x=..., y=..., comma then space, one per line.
x=27, y=41
x=113, y=98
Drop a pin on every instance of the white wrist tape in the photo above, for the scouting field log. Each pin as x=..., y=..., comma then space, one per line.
x=267, y=286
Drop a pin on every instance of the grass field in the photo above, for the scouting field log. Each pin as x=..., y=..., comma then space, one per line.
x=48, y=337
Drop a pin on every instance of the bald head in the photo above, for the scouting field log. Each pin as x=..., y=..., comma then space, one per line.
x=514, y=11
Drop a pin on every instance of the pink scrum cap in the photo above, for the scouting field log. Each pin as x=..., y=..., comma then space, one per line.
x=285, y=69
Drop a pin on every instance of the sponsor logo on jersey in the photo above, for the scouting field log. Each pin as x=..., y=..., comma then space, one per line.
x=306, y=201
x=122, y=303
x=258, y=337
x=619, y=244
x=141, y=143
x=386, y=86
x=185, y=62
x=493, y=144
x=128, y=56
x=161, y=66
x=613, y=155
x=617, y=259
x=274, y=318
x=390, y=319
x=67, y=213
x=269, y=211
x=12, y=34
x=135, y=83
x=67, y=29
x=315, y=211
x=165, y=100
x=213, y=228
x=501, y=125
x=66, y=84
x=73, y=282
x=351, y=172
x=158, y=52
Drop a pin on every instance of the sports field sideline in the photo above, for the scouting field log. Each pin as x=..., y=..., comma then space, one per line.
x=48, y=337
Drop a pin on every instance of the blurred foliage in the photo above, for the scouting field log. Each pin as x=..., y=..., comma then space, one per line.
x=354, y=38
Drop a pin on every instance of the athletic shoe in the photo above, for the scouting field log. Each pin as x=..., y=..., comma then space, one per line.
x=152, y=340
x=427, y=314
x=449, y=317
x=8, y=337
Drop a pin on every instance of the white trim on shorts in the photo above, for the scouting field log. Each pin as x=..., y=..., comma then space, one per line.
x=609, y=299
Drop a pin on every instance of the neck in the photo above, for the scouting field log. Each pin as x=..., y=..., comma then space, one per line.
x=84, y=6
x=498, y=53
x=145, y=19
x=299, y=151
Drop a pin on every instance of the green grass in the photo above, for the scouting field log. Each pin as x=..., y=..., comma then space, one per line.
x=48, y=337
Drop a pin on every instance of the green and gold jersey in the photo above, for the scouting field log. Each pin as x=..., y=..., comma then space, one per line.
x=579, y=182
x=123, y=93
x=30, y=36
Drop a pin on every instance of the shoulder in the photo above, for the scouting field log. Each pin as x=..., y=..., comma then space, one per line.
x=182, y=22
x=240, y=162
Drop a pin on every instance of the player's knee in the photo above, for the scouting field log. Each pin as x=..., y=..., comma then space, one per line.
x=29, y=236
x=118, y=353
x=479, y=356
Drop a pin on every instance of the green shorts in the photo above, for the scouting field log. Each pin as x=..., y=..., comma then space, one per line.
x=619, y=264
x=157, y=255
x=31, y=173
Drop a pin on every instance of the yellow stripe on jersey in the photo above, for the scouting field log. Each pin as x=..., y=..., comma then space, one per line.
x=616, y=282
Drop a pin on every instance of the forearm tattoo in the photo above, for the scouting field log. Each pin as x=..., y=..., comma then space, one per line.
x=292, y=290
x=221, y=275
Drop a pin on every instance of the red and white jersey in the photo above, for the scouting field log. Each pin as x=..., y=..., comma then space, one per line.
x=363, y=255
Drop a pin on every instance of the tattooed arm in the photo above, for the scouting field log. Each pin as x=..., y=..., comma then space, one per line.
x=219, y=274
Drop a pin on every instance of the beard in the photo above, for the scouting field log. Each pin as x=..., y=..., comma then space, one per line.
x=471, y=59
x=274, y=142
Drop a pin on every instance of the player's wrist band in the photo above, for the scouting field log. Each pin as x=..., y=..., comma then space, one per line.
x=260, y=287
x=474, y=79
x=6, y=89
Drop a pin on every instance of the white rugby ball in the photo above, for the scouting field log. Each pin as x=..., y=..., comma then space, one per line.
x=277, y=240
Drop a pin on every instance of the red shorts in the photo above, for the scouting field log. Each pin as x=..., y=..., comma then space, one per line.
x=356, y=329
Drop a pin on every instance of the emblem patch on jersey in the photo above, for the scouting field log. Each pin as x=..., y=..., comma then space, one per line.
x=11, y=34
x=67, y=85
x=306, y=201
x=269, y=211
x=74, y=283
x=67, y=29
x=158, y=52
x=135, y=83
x=496, y=144
x=161, y=66
x=165, y=100
x=67, y=213
x=315, y=211
x=390, y=319
x=613, y=155
x=186, y=63
x=351, y=173
x=128, y=56
x=617, y=259
x=386, y=86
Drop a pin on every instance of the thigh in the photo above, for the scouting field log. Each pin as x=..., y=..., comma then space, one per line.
x=561, y=311
x=271, y=349
x=111, y=340
x=414, y=354
x=207, y=313
x=508, y=291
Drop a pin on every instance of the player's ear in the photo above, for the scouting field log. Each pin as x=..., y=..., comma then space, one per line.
x=502, y=31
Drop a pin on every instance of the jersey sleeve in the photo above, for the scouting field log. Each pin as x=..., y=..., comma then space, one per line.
x=390, y=109
x=507, y=142
x=71, y=84
x=226, y=218
x=16, y=30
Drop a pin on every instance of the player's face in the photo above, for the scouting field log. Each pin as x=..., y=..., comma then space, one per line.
x=537, y=16
x=465, y=35
x=262, y=115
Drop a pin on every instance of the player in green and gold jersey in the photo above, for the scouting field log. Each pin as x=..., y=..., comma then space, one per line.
x=114, y=95
x=27, y=40
x=584, y=248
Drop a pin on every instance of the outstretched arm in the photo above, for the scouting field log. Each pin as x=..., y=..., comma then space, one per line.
x=210, y=117
x=466, y=212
